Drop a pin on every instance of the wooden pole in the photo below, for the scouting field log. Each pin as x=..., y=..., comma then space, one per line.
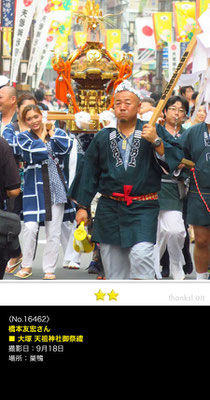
x=172, y=83
x=175, y=77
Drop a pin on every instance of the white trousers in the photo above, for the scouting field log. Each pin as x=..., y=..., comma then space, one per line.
x=67, y=239
x=171, y=234
x=135, y=262
x=51, y=249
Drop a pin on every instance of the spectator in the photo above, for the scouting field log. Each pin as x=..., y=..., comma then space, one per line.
x=48, y=96
x=187, y=92
x=156, y=97
x=198, y=118
x=147, y=108
x=39, y=95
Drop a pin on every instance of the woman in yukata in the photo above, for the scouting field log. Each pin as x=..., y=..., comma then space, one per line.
x=43, y=149
x=9, y=133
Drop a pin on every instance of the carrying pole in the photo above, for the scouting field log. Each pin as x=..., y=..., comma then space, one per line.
x=175, y=77
x=172, y=83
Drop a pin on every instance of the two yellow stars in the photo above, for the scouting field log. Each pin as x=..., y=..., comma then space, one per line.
x=112, y=295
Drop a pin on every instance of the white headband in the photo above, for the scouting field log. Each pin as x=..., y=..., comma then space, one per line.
x=126, y=86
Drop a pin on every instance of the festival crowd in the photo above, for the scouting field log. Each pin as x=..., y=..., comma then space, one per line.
x=129, y=184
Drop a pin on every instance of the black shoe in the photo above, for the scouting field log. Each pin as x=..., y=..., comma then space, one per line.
x=188, y=268
x=93, y=268
x=165, y=272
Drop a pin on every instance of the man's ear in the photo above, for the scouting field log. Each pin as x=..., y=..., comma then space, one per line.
x=139, y=106
x=13, y=99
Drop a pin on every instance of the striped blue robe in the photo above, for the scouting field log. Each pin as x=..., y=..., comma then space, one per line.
x=34, y=154
x=9, y=133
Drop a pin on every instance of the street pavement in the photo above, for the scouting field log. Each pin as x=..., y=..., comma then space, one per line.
x=61, y=273
x=64, y=273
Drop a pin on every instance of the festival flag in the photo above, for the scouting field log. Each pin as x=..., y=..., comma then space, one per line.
x=65, y=5
x=173, y=57
x=62, y=22
x=62, y=27
x=201, y=7
x=162, y=22
x=25, y=10
x=113, y=40
x=43, y=19
x=53, y=26
x=44, y=57
x=185, y=20
x=145, y=33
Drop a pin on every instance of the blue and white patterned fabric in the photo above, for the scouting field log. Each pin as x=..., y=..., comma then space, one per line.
x=34, y=153
x=9, y=133
x=125, y=153
x=8, y=10
x=57, y=189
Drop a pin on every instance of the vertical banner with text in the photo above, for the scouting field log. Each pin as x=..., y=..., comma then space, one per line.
x=43, y=19
x=47, y=48
x=25, y=10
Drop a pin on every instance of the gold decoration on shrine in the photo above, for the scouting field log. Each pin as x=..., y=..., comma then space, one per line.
x=92, y=17
x=88, y=78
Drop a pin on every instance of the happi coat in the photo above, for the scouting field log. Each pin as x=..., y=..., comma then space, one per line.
x=116, y=222
x=35, y=155
x=173, y=186
x=196, y=144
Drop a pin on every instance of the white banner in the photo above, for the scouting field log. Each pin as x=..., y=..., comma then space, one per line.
x=43, y=21
x=173, y=57
x=44, y=57
x=24, y=13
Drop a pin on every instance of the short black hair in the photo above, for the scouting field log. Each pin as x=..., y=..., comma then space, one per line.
x=39, y=94
x=156, y=95
x=183, y=89
x=172, y=100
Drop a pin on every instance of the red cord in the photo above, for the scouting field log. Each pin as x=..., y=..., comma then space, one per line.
x=196, y=182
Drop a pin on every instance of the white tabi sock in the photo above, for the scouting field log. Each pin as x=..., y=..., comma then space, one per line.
x=202, y=276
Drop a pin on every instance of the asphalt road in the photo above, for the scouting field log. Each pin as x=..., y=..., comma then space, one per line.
x=61, y=273
x=64, y=273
